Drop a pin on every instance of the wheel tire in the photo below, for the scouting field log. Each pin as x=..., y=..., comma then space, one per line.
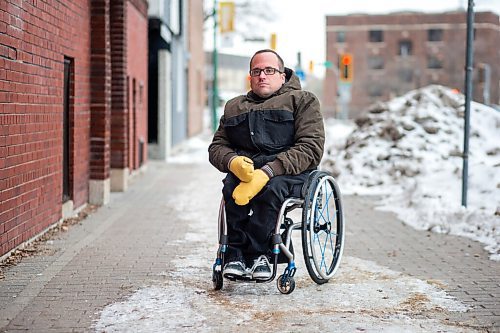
x=285, y=285
x=322, y=229
x=217, y=280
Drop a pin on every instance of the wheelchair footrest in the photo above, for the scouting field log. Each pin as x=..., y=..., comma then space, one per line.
x=244, y=278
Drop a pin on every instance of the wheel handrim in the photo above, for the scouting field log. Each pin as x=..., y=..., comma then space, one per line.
x=323, y=229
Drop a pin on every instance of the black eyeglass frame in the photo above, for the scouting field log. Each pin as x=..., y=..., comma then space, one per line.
x=270, y=71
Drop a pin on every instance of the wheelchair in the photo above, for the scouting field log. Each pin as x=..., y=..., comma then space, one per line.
x=322, y=234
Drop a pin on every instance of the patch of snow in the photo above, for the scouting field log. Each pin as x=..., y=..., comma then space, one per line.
x=409, y=150
x=193, y=151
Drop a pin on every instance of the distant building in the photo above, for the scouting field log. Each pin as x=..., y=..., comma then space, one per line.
x=196, y=68
x=176, y=74
x=232, y=77
x=394, y=53
x=232, y=74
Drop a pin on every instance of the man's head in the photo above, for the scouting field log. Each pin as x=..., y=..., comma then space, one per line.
x=262, y=62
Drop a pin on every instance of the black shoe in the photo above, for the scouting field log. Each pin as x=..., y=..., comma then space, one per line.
x=234, y=269
x=261, y=269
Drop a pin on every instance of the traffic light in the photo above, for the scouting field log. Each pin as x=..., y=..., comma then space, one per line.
x=311, y=67
x=273, y=41
x=345, y=67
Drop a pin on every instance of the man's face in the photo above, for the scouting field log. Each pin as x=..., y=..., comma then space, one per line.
x=265, y=85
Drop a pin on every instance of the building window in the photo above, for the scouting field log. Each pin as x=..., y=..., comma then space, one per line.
x=405, y=75
x=375, y=90
x=405, y=48
x=141, y=92
x=67, y=147
x=340, y=36
x=434, y=62
x=435, y=35
x=375, y=62
x=376, y=36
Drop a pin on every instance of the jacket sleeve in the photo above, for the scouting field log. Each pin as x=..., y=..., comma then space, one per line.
x=220, y=151
x=307, y=151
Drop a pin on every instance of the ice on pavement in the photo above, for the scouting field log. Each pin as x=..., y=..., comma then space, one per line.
x=408, y=150
x=363, y=296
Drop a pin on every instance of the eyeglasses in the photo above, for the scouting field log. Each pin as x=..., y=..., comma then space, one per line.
x=267, y=71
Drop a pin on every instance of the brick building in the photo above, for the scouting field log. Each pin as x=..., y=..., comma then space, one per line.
x=73, y=108
x=398, y=52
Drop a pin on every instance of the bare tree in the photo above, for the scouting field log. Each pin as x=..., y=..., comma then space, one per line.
x=251, y=18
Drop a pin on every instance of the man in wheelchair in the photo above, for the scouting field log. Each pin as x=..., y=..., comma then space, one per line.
x=267, y=142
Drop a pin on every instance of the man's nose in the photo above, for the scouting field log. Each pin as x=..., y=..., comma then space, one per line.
x=262, y=74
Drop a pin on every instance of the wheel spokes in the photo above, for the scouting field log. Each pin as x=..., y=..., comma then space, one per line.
x=321, y=230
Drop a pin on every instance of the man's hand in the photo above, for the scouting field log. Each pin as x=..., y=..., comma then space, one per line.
x=245, y=192
x=242, y=167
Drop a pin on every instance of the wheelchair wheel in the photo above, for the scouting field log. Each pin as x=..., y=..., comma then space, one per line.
x=322, y=228
x=286, y=285
x=217, y=280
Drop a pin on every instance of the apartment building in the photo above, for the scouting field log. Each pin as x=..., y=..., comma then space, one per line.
x=394, y=53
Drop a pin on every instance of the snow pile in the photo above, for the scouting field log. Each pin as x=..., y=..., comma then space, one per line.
x=410, y=151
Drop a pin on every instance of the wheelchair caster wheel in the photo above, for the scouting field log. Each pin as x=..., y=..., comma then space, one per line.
x=217, y=280
x=285, y=284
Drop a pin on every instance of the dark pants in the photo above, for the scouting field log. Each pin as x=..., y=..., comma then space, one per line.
x=250, y=227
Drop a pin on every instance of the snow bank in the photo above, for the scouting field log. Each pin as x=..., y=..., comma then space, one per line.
x=410, y=151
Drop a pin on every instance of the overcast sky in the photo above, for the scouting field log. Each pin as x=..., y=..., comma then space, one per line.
x=300, y=25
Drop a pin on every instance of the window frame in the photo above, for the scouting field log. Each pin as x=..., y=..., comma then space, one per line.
x=375, y=36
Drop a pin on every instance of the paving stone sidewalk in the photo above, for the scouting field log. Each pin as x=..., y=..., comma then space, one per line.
x=130, y=243
x=461, y=264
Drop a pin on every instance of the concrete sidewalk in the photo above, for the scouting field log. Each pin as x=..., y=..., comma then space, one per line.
x=130, y=244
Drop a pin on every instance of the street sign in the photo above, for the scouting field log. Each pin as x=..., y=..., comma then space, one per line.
x=300, y=73
x=344, y=91
x=226, y=16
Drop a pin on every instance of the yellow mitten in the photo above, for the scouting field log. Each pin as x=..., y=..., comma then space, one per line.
x=242, y=167
x=244, y=192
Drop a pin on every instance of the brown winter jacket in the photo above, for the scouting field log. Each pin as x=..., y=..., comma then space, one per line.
x=284, y=131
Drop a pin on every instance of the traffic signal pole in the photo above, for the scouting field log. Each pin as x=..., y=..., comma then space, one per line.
x=468, y=96
x=215, y=91
x=344, y=84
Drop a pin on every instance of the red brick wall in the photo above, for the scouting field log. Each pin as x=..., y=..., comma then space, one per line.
x=100, y=83
x=33, y=43
x=137, y=71
x=119, y=107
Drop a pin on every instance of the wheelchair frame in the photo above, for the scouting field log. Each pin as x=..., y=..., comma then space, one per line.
x=322, y=216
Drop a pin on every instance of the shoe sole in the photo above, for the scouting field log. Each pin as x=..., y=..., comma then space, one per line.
x=262, y=276
x=231, y=276
x=233, y=273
